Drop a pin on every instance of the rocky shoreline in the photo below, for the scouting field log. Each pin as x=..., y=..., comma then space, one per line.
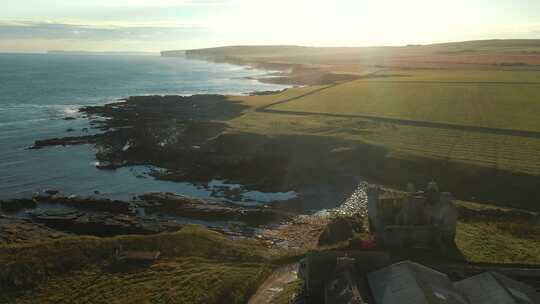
x=190, y=139
x=148, y=214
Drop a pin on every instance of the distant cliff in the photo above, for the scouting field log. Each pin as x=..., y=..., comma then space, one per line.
x=483, y=50
x=173, y=53
x=265, y=57
x=228, y=52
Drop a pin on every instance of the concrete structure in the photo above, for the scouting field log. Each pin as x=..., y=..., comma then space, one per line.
x=411, y=283
x=368, y=277
x=495, y=288
x=413, y=218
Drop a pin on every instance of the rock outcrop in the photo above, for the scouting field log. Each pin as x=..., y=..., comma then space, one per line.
x=102, y=224
x=86, y=203
x=207, y=209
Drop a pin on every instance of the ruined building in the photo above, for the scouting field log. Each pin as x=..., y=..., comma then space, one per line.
x=408, y=282
x=370, y=277
x=412, y=218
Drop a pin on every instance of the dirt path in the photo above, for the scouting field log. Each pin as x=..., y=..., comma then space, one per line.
x=274, y=284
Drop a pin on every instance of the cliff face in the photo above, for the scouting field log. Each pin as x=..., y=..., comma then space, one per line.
x=221, y=53
x=173, y=53
x=492, y=53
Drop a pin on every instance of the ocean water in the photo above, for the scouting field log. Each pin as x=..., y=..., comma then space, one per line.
x=38, y=91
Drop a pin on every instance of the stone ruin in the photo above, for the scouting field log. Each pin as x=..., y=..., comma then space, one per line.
x=412, y=218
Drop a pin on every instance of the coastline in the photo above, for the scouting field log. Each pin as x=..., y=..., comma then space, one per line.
x=203, y=138
x=283, y=72
x=211, y=138
x=66, y=243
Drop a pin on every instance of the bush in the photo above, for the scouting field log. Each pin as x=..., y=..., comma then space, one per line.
x=341, y=229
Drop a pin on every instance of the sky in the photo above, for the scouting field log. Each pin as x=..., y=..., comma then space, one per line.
x=155, y=25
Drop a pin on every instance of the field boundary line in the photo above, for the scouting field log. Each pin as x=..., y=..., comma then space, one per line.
x=400, y=121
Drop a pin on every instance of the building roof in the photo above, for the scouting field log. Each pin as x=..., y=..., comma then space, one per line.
x=495, y=288
x=411, y=283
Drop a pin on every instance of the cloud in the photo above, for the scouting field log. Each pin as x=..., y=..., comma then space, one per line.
x=96, y=25
x=21, y=29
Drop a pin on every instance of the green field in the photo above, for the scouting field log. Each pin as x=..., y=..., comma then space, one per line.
x=197, y=266
x=437, y=91
x=486, y=99
x=506, y=106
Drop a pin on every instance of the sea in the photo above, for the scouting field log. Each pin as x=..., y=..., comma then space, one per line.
x=39, y=91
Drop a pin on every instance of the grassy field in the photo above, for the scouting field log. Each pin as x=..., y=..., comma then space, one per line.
x=505, y=106
x=197, y=266
x=486, y=99
x=434, y=88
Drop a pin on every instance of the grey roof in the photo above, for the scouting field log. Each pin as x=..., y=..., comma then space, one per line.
x=495, y=288
x=411, y=283
x=342, y=288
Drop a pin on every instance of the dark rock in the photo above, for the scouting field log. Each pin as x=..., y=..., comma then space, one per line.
x=17, y=205
x=70, y=130
x=52, y=191
x=207, y=209
x=69, y=118
x=86, y=203
x=102, y=224
x=65, y=141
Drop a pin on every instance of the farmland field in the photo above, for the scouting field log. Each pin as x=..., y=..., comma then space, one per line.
x=465, y=114
x=487, y=99
x=496, y=103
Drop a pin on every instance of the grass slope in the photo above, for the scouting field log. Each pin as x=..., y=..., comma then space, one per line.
x=498, y=239
x=197, y=266
x=509, y=53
